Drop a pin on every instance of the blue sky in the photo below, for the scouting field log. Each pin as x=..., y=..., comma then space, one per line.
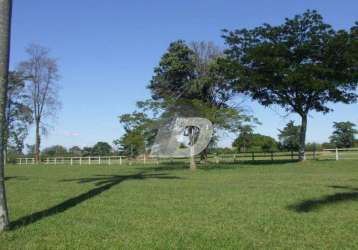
x=107, y=51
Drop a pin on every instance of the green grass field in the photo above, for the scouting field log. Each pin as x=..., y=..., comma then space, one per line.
x=273, y=206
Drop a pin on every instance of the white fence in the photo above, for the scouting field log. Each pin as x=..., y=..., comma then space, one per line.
x=341, y=154
x=327, y=154
x=88, y=160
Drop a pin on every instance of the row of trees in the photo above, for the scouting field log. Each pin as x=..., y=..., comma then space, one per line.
x=99, y=149
x=289, y=139
x=302, y=65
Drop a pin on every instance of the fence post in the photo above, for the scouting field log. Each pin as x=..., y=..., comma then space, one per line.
x=120, y=160
x=33, y=161
x=253, y=156
x=71, y=161
x=109, y=160
x=271, y=156
x=99, y=160
x=89, y=160
x=337, y=155
x=291, y=155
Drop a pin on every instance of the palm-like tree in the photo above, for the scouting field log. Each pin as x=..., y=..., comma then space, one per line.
x=5, y=23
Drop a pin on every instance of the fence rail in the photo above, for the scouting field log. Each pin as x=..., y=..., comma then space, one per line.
x=88, y=160
x=212, y=158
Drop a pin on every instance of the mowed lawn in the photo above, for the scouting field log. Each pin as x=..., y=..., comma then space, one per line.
x=273, y=206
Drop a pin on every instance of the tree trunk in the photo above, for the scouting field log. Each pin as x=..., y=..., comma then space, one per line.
x=37, y=141
x=204, y=155
x=303, y=130
x=5, y=153
x=5, y=22
x=192, y=151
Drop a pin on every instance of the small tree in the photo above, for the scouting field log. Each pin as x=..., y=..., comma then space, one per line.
x=87, y=151
x=54, y=151
x=301, y=65
x=255, y=142
x=139, y=134
x=102, y=149
x=245, y=139
x=41, y=72
x=75, y=151
x=289, y=137
x=344, y=134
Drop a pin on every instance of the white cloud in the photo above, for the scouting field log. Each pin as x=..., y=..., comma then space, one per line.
x=71, y=133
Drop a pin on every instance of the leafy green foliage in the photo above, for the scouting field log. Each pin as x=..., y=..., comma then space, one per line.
x=18, y=113
x=139, y=134
x=75, y=151
x=301, y=65
x=250, y=142
x=289, y=137
x=102, y=149
x=53, y=151
x=312, y=147
x=344, y=134
x=186, y=83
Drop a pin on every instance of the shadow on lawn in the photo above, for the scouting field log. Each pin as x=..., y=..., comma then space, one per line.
x=15, y=177
x=164, y=166
x=102, y=183
x=315, y=204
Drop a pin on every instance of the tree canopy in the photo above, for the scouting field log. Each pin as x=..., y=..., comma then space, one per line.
x=249, y=142
x=301, y=65
x=344, y=134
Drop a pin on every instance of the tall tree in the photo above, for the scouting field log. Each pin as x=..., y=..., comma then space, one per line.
x=41, y=72
x=5, y=28
x=289, y=137
x=344, y=134
x=188, y=83
x=301, y=65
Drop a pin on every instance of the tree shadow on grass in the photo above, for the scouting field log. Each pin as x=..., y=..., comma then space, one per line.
x=102, y=183
x=164, y=166
x=315, y=204
x=16, y=178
